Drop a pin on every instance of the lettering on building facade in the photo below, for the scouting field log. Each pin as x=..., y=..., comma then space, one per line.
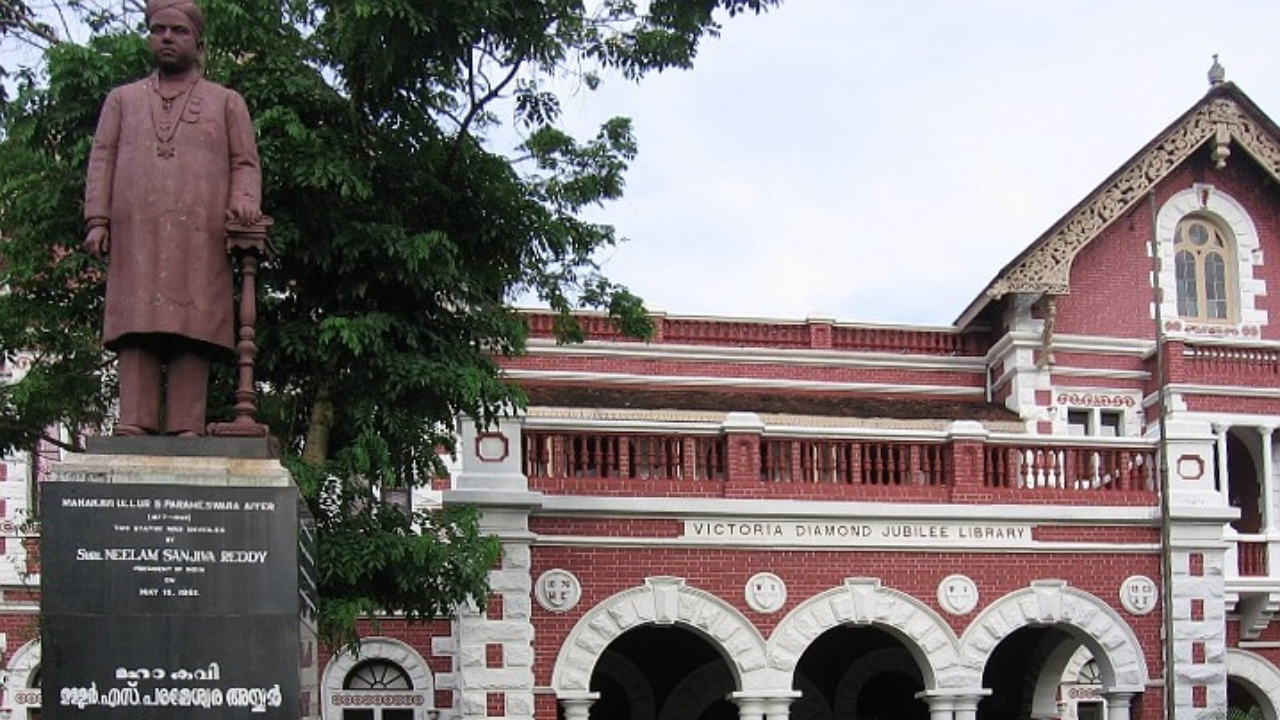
x=860, y=533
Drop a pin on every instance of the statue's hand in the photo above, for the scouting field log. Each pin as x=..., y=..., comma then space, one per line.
x=98, y=242
x=244, y=213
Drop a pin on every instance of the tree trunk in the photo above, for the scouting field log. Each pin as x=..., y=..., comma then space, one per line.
x=316, y=450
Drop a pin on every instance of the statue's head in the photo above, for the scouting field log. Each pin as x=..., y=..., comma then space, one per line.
x=175, y=33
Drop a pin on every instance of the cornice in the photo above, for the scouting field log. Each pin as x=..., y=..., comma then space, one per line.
x=704, y=381
x=780, y=356
x=1046, y=267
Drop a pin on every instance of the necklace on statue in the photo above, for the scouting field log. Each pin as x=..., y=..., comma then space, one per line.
x=163, y=123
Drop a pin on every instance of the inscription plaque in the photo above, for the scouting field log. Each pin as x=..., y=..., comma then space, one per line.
x=164, y=599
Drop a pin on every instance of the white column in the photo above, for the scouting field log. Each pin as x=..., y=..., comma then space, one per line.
x=953, y=704
x=578, y=707
x=750, y=707
x=778, y=707
x=967, y=706
x=1224, y=486
x=1118, y=704
x=1268, y=483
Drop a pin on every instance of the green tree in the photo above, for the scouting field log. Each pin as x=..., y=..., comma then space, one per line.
x=403, y=229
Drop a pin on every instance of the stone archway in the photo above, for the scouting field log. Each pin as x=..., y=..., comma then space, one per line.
x=1052, y=602
x=661, y=601
x=19, y=673
x=1259, y=675
x=863, y=601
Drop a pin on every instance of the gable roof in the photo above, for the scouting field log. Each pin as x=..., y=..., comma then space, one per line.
x=1225, y=117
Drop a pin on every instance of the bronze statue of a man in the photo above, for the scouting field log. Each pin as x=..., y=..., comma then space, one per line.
x=173, y=160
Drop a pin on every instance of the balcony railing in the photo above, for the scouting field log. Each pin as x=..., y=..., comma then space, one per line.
x=910, y=470
x=1069, y=468
x=852, y=462
x=644, y=457
x=1251, y=557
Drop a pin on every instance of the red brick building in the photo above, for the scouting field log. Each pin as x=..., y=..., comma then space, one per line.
x=1032, y=513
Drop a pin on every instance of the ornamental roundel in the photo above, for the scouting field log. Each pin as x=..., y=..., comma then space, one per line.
x=1139, y=594
x=766, y=593
x=558, y=590
x=958, y=594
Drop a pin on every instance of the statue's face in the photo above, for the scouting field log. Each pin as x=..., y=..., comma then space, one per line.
x=174, y=43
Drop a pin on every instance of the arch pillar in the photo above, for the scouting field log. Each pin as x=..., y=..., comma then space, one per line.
x=953, y=704
x=577, y=706
x=1119, y=703
x=756, y=706
x=1268, y=489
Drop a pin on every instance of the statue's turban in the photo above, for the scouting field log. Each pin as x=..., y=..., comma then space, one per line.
x=186, y=7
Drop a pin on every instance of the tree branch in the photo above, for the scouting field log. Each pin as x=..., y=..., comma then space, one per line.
x=477, y=105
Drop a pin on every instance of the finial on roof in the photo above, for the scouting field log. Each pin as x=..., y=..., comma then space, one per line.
x=1217, y=74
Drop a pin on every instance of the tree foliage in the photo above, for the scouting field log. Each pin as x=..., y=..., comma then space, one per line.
x=403, y=228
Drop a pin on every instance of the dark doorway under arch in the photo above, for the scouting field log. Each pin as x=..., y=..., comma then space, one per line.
x=858, y=672
x=662, y=673
x=1241, y=699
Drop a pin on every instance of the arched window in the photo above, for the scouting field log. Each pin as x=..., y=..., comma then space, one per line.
x=1203, y=258
x=385, y=680
x=371, y=676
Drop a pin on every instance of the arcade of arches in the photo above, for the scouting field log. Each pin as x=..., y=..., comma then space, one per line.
x=889, y=658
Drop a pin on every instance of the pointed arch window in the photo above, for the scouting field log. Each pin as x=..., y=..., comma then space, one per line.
x=1203, y=258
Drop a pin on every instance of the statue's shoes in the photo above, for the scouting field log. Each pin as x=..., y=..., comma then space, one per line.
x=129, y=431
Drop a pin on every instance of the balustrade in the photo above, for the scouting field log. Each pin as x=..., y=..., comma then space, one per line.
x=644, y=457
x=852, y=462
x=999, y=468
x=1251, y=557
x=1069, y=468
x=1234, y=365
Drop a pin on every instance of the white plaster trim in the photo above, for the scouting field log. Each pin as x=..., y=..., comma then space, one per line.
x=682, y=421
x=543, y=417
x=375, y=648
x=1060, y=370
x=662, y=601
x=1101, y=345
x=1226, y=390
x=1036, y=549
x=808, y=509
x=864, y=601
x=1081, y=344
x=24, y=662
x=1099, y=627
x=658, y=381
x=1262, y=678
x=760, y=356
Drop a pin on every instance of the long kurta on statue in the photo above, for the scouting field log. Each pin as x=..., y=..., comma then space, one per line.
x=169, y=272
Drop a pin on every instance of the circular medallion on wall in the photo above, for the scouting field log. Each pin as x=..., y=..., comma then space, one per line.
x=1139, y=594
x=766, y=593
x=957, y=594
x=558, y=590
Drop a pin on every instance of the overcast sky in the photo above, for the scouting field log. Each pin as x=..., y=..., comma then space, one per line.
x=879, y=161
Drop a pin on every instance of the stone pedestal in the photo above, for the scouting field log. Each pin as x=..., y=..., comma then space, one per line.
x=176, y=585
